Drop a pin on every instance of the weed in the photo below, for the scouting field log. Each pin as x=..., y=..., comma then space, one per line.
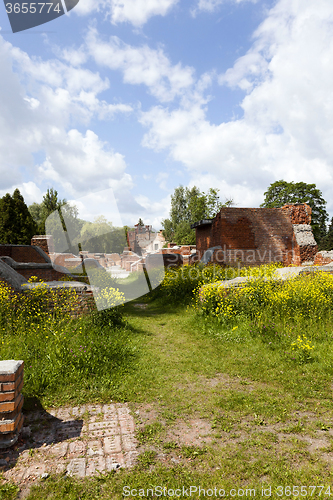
x=192, y=452
x=149, y=433
x=170, y=445
x=147, y=458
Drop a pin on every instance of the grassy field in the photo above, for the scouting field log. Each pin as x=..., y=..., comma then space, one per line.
x=216, y=405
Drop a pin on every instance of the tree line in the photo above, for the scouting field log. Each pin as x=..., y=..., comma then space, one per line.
x=18, y=222
x=191, y=205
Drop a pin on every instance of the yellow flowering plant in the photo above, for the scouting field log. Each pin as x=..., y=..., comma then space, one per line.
x=302, y=349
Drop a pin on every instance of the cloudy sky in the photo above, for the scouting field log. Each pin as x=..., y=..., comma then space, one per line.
x=144, y=95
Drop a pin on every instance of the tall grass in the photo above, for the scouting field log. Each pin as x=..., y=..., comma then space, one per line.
x=63, y=356
x=292, y=316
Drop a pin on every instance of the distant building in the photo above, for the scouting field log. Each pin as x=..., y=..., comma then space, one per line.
x=157, y=243
x=142, y=240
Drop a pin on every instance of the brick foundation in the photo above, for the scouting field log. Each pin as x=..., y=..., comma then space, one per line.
x=11, y=401
x=85, y=303
x=49, y=274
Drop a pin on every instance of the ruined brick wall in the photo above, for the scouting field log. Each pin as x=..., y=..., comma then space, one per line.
x=43, y=274
x=114, y=258
x=324, y=257
x=304, y=244
x=60, y=259
x=307, y=254
x=182, y=250
x=252, y=236
x=85, y=303
x=127, y=260
x=139, y=238
x=204, y=238
x=300, y=213
x=23, y=253
x=43, y=241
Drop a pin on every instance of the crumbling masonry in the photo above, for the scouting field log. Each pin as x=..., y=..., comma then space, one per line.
x=254, y=236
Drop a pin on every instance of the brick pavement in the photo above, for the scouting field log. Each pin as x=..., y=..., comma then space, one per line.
x=80, y=441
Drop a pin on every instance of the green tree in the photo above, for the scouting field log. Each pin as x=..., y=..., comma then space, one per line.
x=326, y=243
x=16, y=224
x=50, y=203
x=35, y=210
x=189, y=206
x=281, y=192
x=101, y=236
x=65, y=227
x=140, y=222
x=184, y=235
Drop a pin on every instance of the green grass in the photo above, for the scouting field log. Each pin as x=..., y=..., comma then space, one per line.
x=214, y=405
x=259, y=407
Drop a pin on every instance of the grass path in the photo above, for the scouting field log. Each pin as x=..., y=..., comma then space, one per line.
x=215, y=411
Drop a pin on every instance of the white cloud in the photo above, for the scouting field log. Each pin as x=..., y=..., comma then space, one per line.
x=136, y=12
x=87, y=6
x=153, y=212
x=287, y=127
x=75, y=57
x=80, y=160
x=38, y=123
x=141, y=65
x=29, y=190
x=212, y=5
x=161, y=180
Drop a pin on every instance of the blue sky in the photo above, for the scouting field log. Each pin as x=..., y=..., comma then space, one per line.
x=144, y=95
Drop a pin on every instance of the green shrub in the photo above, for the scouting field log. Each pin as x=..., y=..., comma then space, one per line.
x=179, y=284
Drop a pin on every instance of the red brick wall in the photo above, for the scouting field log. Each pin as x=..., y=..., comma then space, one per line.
x=43, y=242
x=204, y=237
x=127, y=260
x=43, y=274
x=85, y=303
x=182, y=250
x=22, y=253
x=60, y=259
x=299, y=213
x=250, y=235
x=307, y=253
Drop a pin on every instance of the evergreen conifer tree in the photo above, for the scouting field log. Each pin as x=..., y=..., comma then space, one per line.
x=16, y=224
